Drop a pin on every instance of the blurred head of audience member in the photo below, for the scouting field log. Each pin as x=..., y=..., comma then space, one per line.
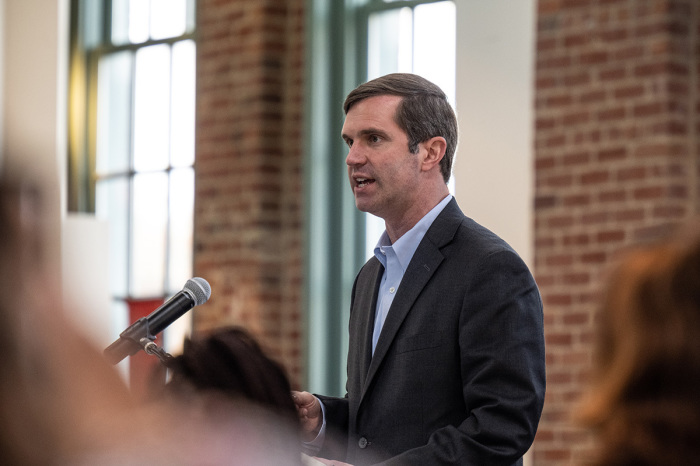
x=55, y=389
x=226, y=378
x=62, y=403
x=645, y=398
x=230, y=362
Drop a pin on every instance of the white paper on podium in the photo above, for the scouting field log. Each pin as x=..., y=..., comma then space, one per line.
x=307, y=460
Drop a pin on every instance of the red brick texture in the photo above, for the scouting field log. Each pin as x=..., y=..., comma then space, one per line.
x=616, y=162
x=248, y=202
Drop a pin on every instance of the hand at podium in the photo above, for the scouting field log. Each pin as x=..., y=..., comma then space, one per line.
x=310, y=414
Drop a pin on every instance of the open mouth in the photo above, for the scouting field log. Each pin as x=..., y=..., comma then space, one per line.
x=362, y=182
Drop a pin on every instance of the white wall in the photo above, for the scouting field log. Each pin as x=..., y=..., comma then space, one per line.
x=495, y=71
x=493, y=171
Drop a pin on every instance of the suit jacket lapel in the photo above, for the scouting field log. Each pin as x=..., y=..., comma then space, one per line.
x=374, y=278
x=425, y=261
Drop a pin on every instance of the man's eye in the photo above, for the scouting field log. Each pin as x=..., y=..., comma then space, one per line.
x=374, y=138
x=348, y=142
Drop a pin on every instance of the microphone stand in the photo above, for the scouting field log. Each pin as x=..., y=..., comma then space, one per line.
x=151, y=348
x=138, y=336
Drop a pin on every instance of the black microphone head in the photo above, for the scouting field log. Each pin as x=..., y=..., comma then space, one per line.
x=199, y=290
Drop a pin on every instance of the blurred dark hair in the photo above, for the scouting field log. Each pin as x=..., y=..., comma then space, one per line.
x=423, y=113
x=230, y=361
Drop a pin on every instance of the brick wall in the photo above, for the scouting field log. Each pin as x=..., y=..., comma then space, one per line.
x=616, y=161
x=248, y=207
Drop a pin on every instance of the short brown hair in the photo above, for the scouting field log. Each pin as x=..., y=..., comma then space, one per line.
x=423, y=113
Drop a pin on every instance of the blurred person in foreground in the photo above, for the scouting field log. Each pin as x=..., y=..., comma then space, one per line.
x=229, y=364
x=644, y=402
x=61, y=403
x=55, y=390
x=446, y=349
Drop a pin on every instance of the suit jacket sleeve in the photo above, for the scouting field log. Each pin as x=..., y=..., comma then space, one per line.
x=335, y=443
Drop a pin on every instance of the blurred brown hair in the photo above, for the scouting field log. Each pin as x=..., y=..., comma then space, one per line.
x=645, y=399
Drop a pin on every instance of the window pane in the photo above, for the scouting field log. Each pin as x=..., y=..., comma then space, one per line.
x=181, y=227
x=191, y=15
x=91, y=24
x=436, y=45
x=374, y=227
x=120, y=319
x=120, y=22
x=168, y=18
x=148, y=235
x=138, y=21
x=152, y=108
x=112, y=204
x=390, y=42
x=114, y=113
x=183, y=104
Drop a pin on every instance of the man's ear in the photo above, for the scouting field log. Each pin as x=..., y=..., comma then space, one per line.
x=435, y=148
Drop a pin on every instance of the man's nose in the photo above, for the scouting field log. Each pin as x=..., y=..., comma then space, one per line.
x=355, y=157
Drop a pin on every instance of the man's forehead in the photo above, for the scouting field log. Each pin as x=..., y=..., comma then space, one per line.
x=373, y=112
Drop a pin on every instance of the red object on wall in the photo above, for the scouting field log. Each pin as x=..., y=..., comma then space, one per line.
x=144, y=369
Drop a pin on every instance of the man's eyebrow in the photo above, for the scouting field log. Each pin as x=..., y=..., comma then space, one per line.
x=366, y=131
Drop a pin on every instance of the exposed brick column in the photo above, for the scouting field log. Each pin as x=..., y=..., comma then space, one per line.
x=248, y=207
x=616, y=153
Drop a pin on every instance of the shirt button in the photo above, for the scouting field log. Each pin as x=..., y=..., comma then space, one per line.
x=362, y=443
x=392, y=289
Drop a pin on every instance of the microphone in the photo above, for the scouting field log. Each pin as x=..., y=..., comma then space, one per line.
x=142, y=332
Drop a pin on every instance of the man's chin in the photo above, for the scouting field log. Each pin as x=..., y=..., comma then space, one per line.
x=363, y=206
x=366, y=203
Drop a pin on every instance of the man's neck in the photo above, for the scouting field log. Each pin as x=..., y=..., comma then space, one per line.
x=396, y=228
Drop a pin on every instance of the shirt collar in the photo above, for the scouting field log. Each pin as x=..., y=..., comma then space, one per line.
x=406, y=246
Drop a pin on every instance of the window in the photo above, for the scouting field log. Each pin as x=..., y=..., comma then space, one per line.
x=132, y=105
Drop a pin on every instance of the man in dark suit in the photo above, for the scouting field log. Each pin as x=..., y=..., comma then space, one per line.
x=446, y=357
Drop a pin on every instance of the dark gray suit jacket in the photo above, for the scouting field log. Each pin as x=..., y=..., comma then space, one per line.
x=458, y=374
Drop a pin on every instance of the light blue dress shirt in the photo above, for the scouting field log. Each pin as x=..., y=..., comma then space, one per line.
x=395, y=259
